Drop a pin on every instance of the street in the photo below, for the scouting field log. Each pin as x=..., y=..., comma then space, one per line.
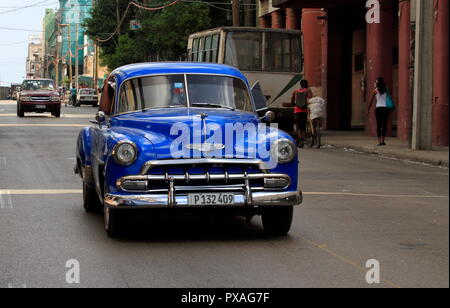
x=356, y=208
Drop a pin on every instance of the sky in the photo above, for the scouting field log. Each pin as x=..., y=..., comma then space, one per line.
x=13, y=44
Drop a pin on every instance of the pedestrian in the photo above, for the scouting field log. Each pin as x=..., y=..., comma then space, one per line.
x=299, y=100
x=63, y=96
x=381, y=95
x=73, y=95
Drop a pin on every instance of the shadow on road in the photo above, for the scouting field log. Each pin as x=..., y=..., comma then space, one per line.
x=165, y=225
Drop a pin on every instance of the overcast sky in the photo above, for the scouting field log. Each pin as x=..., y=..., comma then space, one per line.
x=13, y=57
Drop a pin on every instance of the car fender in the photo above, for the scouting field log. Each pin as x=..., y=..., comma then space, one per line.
x=113, y=170
x=83, y=156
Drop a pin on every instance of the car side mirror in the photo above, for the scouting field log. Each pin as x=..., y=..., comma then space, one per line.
x=269, y=117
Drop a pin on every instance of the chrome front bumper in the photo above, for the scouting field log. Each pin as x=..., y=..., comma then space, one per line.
x=257, y=199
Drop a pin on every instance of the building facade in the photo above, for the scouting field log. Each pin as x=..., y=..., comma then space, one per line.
x=50, y=44
x=73, y=45
x=349, y=43
x=34, y=63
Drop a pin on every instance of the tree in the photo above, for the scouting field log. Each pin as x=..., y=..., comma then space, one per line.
x=163, y=36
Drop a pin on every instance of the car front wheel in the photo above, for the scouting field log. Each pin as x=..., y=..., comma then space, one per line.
x=57, y=114
x=111, y=222
x=277, y=220
x=91, y=202
x=20, y=112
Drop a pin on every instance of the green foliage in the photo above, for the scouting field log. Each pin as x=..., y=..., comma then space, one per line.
x=163, y=36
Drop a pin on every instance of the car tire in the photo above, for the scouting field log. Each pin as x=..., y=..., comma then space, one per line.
x=277, y=221
x=91, y=202
x=111, y=218
x=20, y=112
x=57, y=114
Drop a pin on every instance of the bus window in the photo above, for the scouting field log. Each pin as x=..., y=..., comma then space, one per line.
x=208, y=42
x=215, y=47
x=282, y=53
x=194, y=50
x=244, y=50
x=201, y=48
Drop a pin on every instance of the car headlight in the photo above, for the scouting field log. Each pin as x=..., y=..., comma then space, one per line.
x=125, y=153
x=55, y=99
x=25, y=98
x=283, y=150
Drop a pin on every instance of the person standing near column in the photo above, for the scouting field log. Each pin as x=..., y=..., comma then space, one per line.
x=299, y=100
x=382, y=111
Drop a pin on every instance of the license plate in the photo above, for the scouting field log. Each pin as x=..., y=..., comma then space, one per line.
x=211, y=199
x=41, y=106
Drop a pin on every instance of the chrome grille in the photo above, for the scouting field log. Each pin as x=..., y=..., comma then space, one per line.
x=203, y=175
x=40, y=98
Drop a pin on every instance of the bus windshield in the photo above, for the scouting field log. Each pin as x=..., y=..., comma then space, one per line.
x=263, y=51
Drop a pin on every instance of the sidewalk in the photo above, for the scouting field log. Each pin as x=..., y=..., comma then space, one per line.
x=358, y=141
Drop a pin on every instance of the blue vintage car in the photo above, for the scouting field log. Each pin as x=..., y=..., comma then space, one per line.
x=186, y=135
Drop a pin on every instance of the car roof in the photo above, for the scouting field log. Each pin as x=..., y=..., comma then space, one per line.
x=161, y=68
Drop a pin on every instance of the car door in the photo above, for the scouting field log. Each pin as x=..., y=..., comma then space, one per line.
x=100, y=135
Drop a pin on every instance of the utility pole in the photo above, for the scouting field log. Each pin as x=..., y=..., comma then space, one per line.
x=70, y=57
x=58, y=44
x=95, y=70
x=236, y=13
x=77, y=60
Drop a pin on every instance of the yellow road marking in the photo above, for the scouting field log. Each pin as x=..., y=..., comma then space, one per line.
x=40, y=191
x=346, y=260
x=68, y=116
x=43, y=125
x=369, y=195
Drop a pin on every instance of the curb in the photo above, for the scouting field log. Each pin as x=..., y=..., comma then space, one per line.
x=407, y=155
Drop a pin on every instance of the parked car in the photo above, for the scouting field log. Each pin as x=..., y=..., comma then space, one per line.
x=134, y=156
x=87, y=96
x=38, y=95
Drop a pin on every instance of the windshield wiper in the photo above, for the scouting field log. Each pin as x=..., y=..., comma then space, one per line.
x=212, y=105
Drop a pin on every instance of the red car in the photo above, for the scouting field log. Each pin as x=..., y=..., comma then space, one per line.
x=39, y=95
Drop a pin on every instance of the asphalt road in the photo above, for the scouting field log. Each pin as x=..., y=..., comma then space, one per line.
x=357, y=207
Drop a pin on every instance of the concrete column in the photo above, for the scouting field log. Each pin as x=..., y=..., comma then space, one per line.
x=277, y=19
x=440, y=73
x=423, y=77
x=312, y=41
x=380, y=38
x=292, y=19
x=404, y=108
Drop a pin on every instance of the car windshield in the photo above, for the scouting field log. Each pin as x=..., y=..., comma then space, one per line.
x=38, y=85
x=170, y=91
x=87, y=91
x=218, y=91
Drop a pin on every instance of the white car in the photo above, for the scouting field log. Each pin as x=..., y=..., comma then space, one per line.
x=87, y=96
